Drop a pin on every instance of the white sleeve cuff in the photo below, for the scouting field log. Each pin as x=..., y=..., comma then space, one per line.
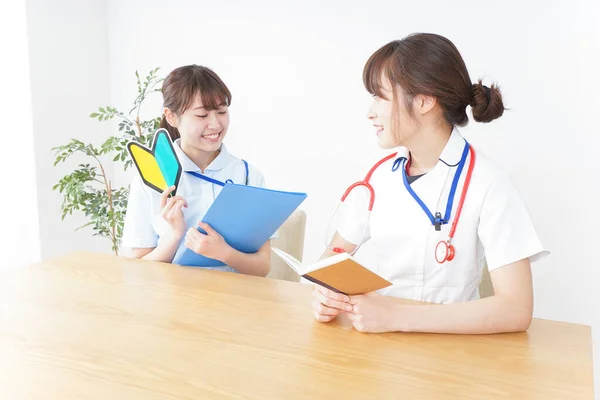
x=139, y=243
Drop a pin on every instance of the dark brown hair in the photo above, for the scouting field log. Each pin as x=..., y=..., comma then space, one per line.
x=181, y=86
x=430, y=65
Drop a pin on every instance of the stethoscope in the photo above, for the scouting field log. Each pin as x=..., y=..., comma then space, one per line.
x=444, y=251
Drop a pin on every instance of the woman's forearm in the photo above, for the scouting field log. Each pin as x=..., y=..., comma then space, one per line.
x=164, y=252
x=257, y=264
x=494, y=314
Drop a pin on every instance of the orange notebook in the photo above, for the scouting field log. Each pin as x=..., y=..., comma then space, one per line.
x=340, y=273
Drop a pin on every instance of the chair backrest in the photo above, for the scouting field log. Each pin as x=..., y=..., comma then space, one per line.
x=486, y=288
x=290, y=238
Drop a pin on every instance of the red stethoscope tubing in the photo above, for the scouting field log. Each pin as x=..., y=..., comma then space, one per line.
x=447, y=251
x=444, y=250
x=366, y=183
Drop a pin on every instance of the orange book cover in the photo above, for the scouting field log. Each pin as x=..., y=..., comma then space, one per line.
x=340, y=273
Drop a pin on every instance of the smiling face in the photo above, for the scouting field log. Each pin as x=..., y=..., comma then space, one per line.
x=201, y=128
x=394, y=124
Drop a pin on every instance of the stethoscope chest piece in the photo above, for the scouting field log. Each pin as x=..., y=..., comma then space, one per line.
x=444, y=251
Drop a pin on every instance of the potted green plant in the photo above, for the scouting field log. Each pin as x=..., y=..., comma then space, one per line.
x=88, y=188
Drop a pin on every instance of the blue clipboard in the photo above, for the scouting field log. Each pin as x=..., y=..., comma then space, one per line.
x=246, y=217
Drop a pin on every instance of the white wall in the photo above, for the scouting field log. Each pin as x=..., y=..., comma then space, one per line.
x=20, y=244
x=299, y=105
x=68, y=42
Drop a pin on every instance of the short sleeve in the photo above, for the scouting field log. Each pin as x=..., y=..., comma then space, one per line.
x=351, y=221
x=255, y=177
x=138, y=231
x=505, y=227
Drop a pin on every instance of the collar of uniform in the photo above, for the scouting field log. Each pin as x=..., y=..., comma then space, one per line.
x=401, y=152
x=453, y=151
x=188, y=165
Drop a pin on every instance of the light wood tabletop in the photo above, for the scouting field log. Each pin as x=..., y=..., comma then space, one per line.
x=92, y=326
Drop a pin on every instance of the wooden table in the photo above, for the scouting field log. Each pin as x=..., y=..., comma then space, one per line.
x=90, y=326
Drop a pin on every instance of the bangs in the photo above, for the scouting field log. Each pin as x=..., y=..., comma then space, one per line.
x=213, y=92
x=375, y=68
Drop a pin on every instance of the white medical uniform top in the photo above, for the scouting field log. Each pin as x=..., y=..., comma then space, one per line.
x=494, y=226
x=143, y=223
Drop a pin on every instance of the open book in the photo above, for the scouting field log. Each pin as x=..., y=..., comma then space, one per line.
x=340, y=273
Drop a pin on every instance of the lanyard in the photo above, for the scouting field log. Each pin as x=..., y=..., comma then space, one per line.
x=437, y=220
x=217, y=182
x=206, y=178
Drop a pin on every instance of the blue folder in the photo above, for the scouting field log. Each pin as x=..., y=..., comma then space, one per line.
x=246, y=217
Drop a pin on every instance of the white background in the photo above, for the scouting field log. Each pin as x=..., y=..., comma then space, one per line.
x=68, y=47
x=299, y=106
x=20, y=241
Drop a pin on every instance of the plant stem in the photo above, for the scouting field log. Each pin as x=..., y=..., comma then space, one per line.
x=110, y=207
x=139, y=126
